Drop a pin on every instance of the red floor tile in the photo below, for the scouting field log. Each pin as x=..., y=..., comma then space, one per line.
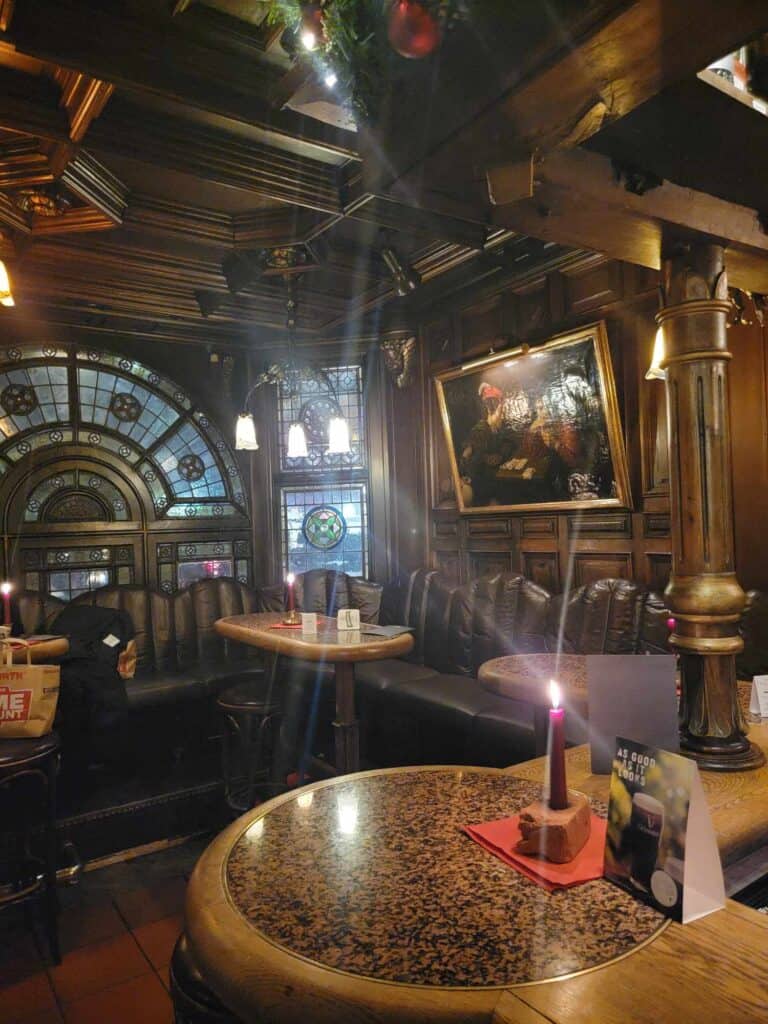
x=88, y=923
x=164, y=975
x=98, y=966
x=46, y=1017
x=151, y=903
x=158, y=938
x=141, y=1000
x=26, y=998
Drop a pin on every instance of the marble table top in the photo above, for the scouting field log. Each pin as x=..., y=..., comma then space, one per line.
x=372, y=876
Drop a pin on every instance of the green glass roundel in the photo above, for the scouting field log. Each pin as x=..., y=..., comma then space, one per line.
x=324, y=527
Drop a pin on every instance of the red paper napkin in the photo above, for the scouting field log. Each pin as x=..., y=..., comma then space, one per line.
x=500, y=838
x=286, y=625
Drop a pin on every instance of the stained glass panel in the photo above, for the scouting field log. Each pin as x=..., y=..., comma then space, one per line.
x=325, y=528
x=103, y=395
x=135, y=369
x=32, y=396
x=311, y=403
x=189, y=441
x=18, y=450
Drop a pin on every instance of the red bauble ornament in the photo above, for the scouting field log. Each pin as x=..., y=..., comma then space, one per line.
x=413, y=30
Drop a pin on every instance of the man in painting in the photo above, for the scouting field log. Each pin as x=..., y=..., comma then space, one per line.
x=490, y=443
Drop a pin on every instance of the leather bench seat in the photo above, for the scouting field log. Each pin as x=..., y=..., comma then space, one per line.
x=389, y=673
x=152, y=688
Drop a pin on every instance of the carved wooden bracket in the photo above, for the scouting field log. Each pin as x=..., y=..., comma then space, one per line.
x=400, y=359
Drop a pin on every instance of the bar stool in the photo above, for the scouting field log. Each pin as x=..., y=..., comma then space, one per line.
x=193, y=1001
x=250, y=721
x=33, y=876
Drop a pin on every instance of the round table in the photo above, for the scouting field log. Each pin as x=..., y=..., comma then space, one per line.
x=328, y=645
x=526, y=677
x=50, y=649
x=360, y=899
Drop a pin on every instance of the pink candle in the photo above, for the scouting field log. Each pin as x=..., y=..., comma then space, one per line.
x=290, y=601
x=6, y=589
x=558, y=788
x=671, y=623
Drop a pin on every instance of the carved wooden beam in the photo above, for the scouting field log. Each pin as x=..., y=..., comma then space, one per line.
x=169, y=61
x=95, y=184
x=83, y=98
x=577, y=201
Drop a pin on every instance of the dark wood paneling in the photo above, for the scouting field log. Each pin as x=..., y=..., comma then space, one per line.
x=489, y=563
x=592, y=287
x=656, y=524
x=593, y=565
x=543, y=568
x=501, y=527
x=439, y=341
x=448, y=564
x=539, y=526
x=482, y=325
x=531, y=308
x=658, y=568
x=600, y=524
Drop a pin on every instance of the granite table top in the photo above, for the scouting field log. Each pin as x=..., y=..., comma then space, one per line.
x=372, y=876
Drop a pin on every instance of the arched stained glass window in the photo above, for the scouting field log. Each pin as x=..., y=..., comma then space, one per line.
x=49, y=398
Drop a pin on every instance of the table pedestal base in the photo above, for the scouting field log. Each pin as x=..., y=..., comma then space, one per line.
x=346, y=728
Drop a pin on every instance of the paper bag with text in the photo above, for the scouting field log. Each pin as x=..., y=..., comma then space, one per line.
x=660, y=844
x=28, y=695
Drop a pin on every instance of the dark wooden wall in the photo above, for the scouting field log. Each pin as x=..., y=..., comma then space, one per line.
x=628, y=543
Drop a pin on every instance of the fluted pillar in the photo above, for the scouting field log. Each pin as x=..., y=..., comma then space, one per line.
x=703, y=592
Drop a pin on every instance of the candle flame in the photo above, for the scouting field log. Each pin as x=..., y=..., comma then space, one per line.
x=6, y=588
x=290, y=579
x=554, y=693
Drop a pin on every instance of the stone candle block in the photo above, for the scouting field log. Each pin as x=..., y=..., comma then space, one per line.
x=555, y=835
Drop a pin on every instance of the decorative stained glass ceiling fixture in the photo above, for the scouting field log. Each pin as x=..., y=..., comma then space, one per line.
x=291, y=373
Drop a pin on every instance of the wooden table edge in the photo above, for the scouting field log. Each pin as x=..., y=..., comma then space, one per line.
x=246, y=969
x=286, y=642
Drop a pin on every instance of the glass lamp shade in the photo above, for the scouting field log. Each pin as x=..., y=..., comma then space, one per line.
x=6, y=298
x=338, y=436
x=655, y=371
x=245, y=433
x=297, y=442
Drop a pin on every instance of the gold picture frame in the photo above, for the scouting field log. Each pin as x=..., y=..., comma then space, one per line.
x=535, y=429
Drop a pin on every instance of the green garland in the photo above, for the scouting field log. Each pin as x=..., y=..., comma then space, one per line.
x=356, y=47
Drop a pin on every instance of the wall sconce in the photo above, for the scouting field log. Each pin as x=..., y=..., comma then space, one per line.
x=404, y=277
x=655, y=370
x=245, y=433
x=6, y=296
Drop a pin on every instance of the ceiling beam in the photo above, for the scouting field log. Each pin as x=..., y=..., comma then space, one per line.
x=163, y=62
x=593, y=81
x=578, y=201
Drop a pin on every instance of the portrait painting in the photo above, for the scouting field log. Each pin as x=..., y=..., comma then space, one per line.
x=536, y=428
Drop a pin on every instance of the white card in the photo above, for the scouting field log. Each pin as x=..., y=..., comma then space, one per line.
x=703, y=882
x=758, y=702
x=111, y=640
x=309, y=623
x=348, y=618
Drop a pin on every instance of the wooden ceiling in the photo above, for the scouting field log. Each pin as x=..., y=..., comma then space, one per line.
x=170, y=133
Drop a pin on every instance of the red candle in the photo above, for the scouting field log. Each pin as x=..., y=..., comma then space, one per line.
x=6, y=589
x=290, y=603
x=558, y=789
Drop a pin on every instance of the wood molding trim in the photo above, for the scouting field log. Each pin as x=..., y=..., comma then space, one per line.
x=83, y=98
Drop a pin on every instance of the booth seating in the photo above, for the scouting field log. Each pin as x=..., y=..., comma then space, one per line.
x=180, y=657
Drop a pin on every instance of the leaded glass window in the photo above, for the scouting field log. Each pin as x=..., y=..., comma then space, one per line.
x=129, y=410
x=324, y=498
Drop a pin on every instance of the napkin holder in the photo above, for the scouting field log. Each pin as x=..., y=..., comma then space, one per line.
x=555, y=835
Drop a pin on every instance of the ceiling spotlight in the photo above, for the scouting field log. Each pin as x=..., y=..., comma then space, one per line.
x=330, y=79
x=240, y=270
x=208, y=302
x=404, y=277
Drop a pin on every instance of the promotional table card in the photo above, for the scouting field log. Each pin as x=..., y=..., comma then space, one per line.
x=348, y=619
x=309, y=623
x=758, y=701
x=660, y=844
x=630, y=695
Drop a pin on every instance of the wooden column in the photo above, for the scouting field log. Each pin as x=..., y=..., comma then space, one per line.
x=703, y=592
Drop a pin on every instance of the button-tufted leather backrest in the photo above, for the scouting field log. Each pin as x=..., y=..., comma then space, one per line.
x=604, y=617
x=510, y=617
x=197, y=608
x=325, y=591
x=38, y=610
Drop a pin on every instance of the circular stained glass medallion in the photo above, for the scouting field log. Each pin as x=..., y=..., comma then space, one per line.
x=191, y=467
x=18, y=399
x=125, y=407
x=324, y=527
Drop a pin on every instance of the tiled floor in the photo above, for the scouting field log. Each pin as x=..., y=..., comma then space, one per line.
x=118, y=929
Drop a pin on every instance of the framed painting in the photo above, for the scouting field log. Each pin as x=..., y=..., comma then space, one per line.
x=537, y=428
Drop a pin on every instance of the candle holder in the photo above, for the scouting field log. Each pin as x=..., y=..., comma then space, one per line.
x=292, y=618
x=559, y=834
